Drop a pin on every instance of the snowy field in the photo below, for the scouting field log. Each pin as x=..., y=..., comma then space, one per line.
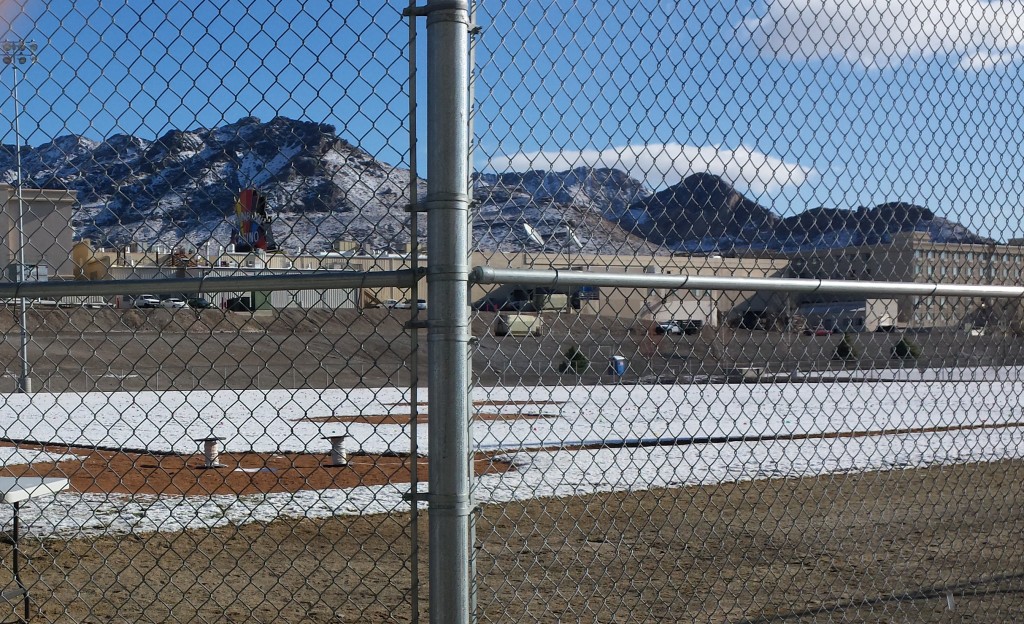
x=544, y=447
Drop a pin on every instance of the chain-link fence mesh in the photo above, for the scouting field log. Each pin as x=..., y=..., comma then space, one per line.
x=745, y=328
x=209, y=407
x=725, y=450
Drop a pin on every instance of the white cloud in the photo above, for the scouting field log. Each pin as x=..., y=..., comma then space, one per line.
x=661, y=165
x=882, y=33
x=984, y=61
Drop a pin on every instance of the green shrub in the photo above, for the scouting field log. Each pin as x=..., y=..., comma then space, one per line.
x=575, y=361
x=906, y=349
x=846, y=350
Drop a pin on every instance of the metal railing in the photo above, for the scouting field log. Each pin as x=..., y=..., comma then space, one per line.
x=555, y=279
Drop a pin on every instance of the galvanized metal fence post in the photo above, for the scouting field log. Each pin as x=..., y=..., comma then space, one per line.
x=447, y=205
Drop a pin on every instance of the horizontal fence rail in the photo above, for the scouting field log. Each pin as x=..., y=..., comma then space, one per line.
x=319, y=281
x=555, y=277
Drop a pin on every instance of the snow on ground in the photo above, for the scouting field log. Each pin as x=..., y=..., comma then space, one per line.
x=544, y=447
x=10, y=456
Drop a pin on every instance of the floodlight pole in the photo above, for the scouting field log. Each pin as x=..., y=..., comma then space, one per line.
x=20, y=52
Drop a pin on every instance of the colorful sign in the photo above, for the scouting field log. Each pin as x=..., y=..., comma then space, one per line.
x=253, y=223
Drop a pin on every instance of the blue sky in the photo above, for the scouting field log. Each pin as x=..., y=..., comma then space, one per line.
x=801, y=103
x=144, y=68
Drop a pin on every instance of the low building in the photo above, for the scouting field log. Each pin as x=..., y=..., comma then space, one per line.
x=241, y=301
x=619, y=302
x=45, y=235
x=915, y=257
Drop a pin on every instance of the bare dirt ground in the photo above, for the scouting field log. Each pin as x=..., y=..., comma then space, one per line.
x=898, y=546
x=111, y=350
x=942, y=544
x=170, y=474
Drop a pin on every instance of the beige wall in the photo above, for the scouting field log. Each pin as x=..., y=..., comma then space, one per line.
x=910, y=257
x=47, y=229
x=613, y=302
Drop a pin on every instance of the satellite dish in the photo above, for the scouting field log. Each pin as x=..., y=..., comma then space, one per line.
x=532, y=233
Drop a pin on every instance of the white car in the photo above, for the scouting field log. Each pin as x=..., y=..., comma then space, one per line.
x=406, y=304
x=146, y=301
x=668, y=327
x=172, y=302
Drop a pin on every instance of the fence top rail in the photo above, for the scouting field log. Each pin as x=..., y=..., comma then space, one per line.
x=562, y=277
x=320, y=280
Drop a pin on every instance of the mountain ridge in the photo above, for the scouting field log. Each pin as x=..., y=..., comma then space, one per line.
x=179, y=190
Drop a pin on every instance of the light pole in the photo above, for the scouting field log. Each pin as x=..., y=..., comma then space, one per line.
x=15, y=53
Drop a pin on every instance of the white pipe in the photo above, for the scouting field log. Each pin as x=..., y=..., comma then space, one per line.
x=211, y=452
x=339, y=456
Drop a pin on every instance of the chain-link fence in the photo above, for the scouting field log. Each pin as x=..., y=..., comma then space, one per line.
x=723, y=320
x=750, y=278
x=211, y=294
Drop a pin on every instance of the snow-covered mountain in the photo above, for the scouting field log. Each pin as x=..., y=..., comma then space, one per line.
x=568, y=212
x=180, y=190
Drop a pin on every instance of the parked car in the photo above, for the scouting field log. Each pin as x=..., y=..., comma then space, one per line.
x=406, y=304
x=173, y=303
x=239, y=304
x=668, y=327
x=199, y=303
x=146, y=301
x=517, y=305
x=690, y=327
x=499, y=305
x=487, y=306
x=820, y=331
